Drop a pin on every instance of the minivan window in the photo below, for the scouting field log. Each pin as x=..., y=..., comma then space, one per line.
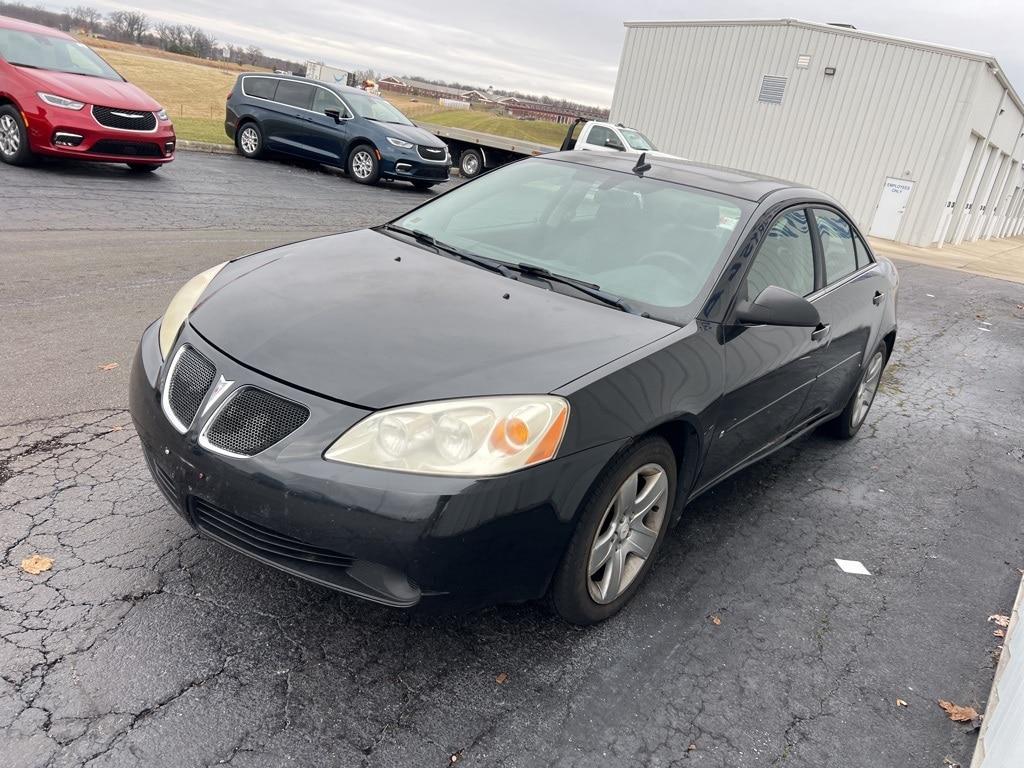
x=836, y=245
x=375, y=108
x=260, y=87
x=295, y=94
x=324, y=99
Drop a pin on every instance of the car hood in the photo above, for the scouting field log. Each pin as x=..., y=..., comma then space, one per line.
x=373, y=321
x=412, y=133
x=93, y=90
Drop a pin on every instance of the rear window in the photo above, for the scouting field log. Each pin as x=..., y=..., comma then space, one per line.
x=260, y=87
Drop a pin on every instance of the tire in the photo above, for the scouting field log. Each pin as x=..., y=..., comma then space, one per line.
x=848, y=423
x=142, y=167
x=363, y=166
x=249, y=140
x=14, y=148
x=582, y=593
x=471, y=163
x=423, y=185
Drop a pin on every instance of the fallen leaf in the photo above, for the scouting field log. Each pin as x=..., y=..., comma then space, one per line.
x=36, y=564
x=692, y=747
x=999, y=633
x=950, y=762
x=1000, y=619
x=716, y=620
x=901, y=703
x=502, y=678
x=456, y=756
x=109, y=366
x=957, y=713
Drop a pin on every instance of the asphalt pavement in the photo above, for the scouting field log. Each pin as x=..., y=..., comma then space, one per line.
x=747, y=646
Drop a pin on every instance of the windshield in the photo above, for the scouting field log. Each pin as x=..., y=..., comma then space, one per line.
x=637, y=140
x=375, y=108
x=650, y=242
x=27, y=49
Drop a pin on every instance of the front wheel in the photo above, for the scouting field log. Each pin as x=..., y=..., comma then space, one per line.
x=620, y=529
x=363, y=166
x=849, y=422
x=250, y=140
x=14, y=148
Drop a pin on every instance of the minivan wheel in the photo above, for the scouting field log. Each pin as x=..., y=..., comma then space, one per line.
x=849, y=422
x=250, y=140
x=363, y=166
x=620, y=530
x=14, y=148
x=471, y=162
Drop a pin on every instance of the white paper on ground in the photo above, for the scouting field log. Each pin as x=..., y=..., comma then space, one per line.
x=853, y=566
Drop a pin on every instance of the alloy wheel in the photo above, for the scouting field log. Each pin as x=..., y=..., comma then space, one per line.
x=362, y=164
x=627, y=534
x=10, y=136
x=249, y=140
x=867, y=388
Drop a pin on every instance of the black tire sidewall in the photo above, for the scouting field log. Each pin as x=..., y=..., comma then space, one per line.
x=569, y=595
x=842, y=426
x=259, y=140
x=24, y=154
x=374, y=177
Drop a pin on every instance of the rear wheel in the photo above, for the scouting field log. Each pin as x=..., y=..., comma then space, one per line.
x=249, y=140
x=471, y=163
x=143, y=167
x=14, y=148
x=620, y=529
x=849, y=422
x=363, y=166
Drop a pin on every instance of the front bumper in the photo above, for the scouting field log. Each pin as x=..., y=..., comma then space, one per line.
x=399, y=163
x=76, y=134
x=390, y=537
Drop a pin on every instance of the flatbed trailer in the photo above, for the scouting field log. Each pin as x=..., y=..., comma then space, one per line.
x=474, y=152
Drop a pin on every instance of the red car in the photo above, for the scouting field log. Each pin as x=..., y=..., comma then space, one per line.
x=58, y=98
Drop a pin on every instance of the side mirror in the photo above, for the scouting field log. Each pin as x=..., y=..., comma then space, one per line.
x=777, y=306
x=335, y=114
x=614, y=144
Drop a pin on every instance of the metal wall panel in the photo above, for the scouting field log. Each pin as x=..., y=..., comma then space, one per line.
x=891, y=109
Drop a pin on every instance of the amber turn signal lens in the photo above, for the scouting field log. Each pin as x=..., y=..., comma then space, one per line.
x=548, y=444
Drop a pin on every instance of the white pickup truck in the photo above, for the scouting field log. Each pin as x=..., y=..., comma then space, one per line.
x=474, y=152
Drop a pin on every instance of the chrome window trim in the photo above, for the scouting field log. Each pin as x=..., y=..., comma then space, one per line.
x=156, y=127
x=245, y=93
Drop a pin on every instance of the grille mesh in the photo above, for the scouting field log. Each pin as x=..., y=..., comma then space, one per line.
x=253, y=420
x=191, y=380
x=113, y=117
x=430, y=153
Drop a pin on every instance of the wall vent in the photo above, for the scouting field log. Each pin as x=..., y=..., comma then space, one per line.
x=803, y=61
x=772, y=89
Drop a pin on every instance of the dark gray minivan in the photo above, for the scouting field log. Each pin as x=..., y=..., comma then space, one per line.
x=345, y=127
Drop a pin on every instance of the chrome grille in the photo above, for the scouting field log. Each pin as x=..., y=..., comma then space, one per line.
x=188, y=384
x=431, y=153
x=124, y=119
x=252, y=421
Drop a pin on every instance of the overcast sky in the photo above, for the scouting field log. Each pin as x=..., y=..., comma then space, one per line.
x=568, y=49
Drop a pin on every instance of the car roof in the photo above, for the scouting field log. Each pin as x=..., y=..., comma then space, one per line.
x=6, y=22
x=342, y=89
x=713, y=178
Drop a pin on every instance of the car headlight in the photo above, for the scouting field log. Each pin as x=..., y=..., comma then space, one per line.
x=400, y=143
x=60, y=101
x=161, y=115
x=181, y=305
x=473, y=437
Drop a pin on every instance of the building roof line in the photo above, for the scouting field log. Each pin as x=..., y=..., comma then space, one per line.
x=986, y=58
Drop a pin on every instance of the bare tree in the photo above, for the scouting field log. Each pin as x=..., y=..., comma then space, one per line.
x=84, y=17
x=254, y=54
x=127, y=25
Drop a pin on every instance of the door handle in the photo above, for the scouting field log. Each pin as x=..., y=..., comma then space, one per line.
x=878, y=298
x=820, y=332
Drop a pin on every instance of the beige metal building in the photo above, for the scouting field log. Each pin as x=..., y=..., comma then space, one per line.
x=921, y=143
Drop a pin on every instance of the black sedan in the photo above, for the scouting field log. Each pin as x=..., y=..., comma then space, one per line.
x=512, y=391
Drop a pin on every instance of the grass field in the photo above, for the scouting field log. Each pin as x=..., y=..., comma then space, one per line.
x=193, y=93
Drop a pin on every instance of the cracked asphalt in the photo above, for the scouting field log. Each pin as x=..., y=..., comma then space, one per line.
x=146, y=645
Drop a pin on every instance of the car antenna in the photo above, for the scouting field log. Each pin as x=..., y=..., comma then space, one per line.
x=642, y=166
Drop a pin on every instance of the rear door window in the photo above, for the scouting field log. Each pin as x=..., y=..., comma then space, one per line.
x=260, y=87
x=295, y=94
x=785, y=259
x=837, y=246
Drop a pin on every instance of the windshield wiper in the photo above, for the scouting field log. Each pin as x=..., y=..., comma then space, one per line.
x=429, y=240
x=588, y=289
